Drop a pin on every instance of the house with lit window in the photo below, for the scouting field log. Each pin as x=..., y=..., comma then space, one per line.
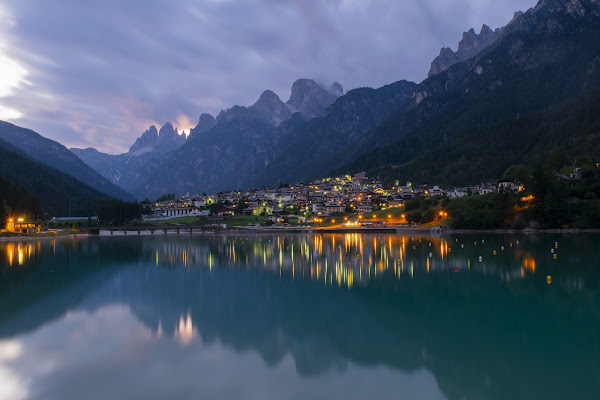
x=20, y=226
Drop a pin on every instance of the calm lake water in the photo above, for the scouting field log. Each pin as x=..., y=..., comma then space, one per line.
x=301, y=317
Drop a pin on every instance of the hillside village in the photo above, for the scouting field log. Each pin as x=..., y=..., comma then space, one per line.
x=313, y=201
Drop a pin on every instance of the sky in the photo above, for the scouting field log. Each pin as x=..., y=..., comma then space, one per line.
x=97, y=73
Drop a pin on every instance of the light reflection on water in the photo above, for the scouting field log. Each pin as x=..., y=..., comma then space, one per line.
x=342, y=260
x=20, y=253
x=293, y=316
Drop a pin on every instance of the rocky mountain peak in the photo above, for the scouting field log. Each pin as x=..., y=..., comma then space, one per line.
x=168, y=136
x=471, y=44
x=167, y=139
x=311, y=99
x=337, y=89
x=167, y=131
x=205, y=123
x=270, y=105
x=148, y=139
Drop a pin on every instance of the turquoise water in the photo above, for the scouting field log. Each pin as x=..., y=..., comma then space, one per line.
x=301, y=317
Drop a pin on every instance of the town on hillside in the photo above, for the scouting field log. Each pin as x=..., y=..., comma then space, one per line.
x=316, y=201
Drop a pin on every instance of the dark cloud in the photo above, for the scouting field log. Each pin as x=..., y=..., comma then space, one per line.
x=100, y=71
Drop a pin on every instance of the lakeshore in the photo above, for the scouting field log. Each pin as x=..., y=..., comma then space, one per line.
x=133, y=232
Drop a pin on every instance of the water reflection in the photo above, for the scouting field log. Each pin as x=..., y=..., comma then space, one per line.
x=19, y=253
x=185, y=331
x=297, y=311
x=355, y=259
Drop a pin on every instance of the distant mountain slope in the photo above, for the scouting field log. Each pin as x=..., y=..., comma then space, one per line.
x=16, y=200
x=229, y=151
x=248, y=147
x=56, y=155
x=312, y=99
x=224, y=157
x=312, y=147
x=546, y=56
x=54, y=188
x=470, y=45
x=125, y=169
x=483, y=153
x=107, y=165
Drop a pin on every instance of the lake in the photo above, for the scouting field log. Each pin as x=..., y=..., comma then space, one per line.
x=353, y=316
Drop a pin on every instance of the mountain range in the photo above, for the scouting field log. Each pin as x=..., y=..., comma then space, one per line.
x=479, y=111
x=209, y=159
x=543, y=58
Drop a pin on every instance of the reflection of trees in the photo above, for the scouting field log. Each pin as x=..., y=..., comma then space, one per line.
x=492, y=330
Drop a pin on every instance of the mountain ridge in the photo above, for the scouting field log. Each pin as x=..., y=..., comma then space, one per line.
x=545, y=56
x=54, y=154
x=60, y=193
x=308, y=100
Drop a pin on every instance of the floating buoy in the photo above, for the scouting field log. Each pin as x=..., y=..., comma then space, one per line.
x=462, y=246
x=517, y=242
x=494, y=252
x=475, y=243
x=554, y=256
x=511, y=244
x=430, y=255
x=552, y=251
x=429, y=244
x=480, y=259
x=482, y=241
x=456, y=268
x=549, y=279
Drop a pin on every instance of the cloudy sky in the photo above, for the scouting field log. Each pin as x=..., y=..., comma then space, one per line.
x=99, y=72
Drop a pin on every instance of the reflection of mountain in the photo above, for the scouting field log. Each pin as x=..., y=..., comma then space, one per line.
x=483, y=337
x=55, y=277
x=473, y=334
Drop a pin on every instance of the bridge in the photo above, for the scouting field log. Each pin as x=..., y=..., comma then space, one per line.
x=155, y=230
